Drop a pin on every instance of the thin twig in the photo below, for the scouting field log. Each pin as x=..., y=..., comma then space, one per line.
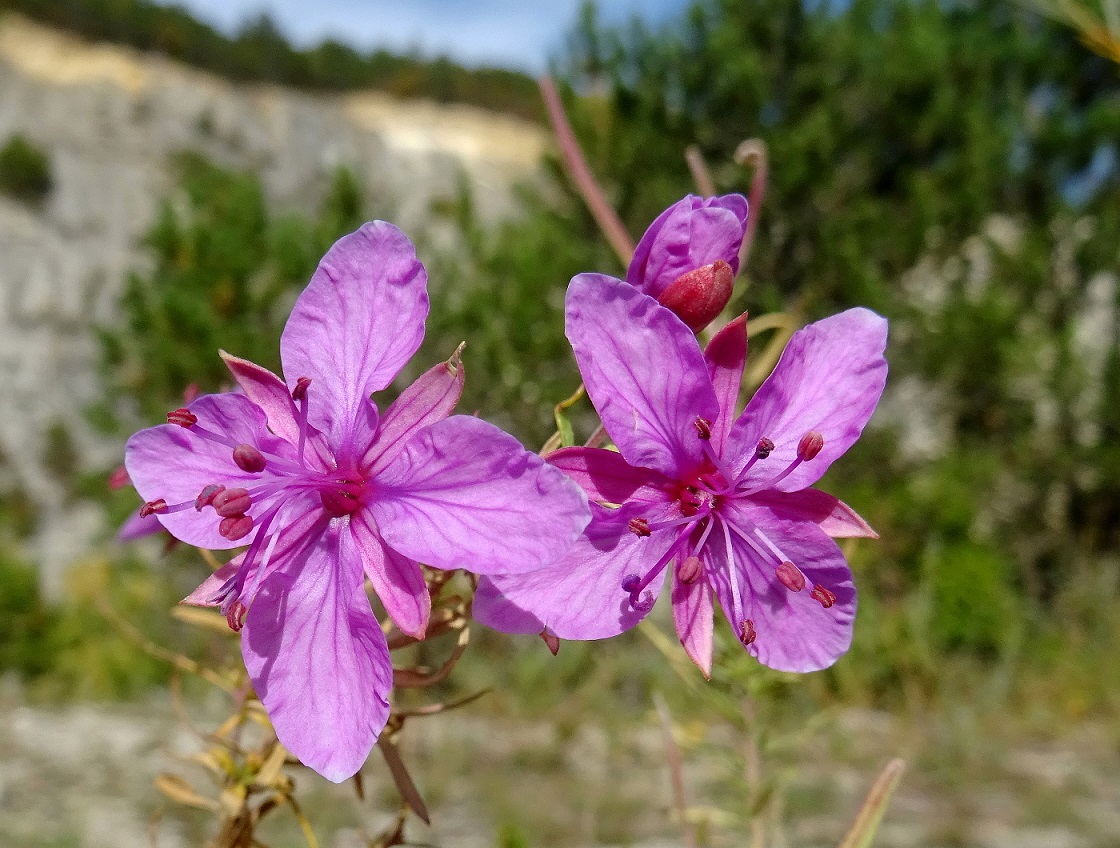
x=673, y=755
x=699, y=170
x=752, y=152
x=603, y=213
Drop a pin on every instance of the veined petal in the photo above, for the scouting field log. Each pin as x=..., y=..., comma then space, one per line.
x=464, y=494
x=176, y=464
x=792, y=630
x=430, y=399
x=356, y=324
x=693, y=232
x=605, y=476
x=137, y=526
x=828, y=380
x=643, y=370
x=693, y=617
x=831, y=514
x=581, y=596
x=317, y=657
x=398, y=581
x=726, y=356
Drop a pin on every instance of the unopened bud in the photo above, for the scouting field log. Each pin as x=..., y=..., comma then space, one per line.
x=230, y=503
x=822, y=596
x=248, y=458
x=790, y=576
x=810, y=445
x=236, y=527
x=765, y=448
x=552, y=640
x=689, y=570
x=119, y=478
x=300, y=391
x=747, y=632
x=207, y=495
x=639, y=527
x=153, y=508
x=698, y=296
x=183, y=417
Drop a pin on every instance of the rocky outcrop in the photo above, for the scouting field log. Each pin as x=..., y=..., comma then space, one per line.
x=110, y=118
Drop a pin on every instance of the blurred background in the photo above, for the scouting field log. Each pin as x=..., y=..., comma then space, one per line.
x=170, y=175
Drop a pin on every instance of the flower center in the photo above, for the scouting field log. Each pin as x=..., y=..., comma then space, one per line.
x=344, y=497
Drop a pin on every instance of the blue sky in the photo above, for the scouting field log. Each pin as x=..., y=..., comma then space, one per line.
x=513, y=33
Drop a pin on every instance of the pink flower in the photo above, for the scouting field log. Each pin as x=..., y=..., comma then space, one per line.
x=723, y=504
x=327, y=492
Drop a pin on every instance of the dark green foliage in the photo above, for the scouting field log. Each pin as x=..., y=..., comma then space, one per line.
x=25, y=170
x=225, y=276
x=260, y=53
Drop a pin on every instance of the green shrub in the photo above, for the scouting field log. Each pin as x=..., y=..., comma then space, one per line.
x=25, y=170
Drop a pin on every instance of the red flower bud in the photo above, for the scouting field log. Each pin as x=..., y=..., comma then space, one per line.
x=700, y=295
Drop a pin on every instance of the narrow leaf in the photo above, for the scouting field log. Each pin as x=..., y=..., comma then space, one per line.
x=874, y=806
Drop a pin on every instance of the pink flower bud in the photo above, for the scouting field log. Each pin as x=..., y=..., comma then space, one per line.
x=699, y=296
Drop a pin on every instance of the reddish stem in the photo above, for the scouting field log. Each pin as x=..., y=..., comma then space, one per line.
x=752, y=152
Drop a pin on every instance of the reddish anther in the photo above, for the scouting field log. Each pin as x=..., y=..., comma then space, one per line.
x=207, y=495
x=810, y=445
x=824, y=597
x=183, y=417
x=236, y=527
x=235, y=618
x=153, y=508
x=747, y=633
x=300, y=391
x=552, y=640
x=248, y=458
x=790, y=576
x=639, y=527
x=765, y=448
x=231, y=503
x=689, y=569
x=703, y=428
x=119, y=478
x=698, y=296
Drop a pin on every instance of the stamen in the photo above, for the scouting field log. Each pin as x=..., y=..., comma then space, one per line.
x=720, y=467
x=790, y=576
x=689, y=569
x=235, y=616
x=822, y=596
x=633, y=585
x=236, y=527
x=747, y=633
x=183, y=417
x=156, y=507
x=299, y=394
x=230, y=503
x=639, y=527
x=703, y=428
x=765, y=448
x=810, y=445
x=248, y=458
x=207, y=495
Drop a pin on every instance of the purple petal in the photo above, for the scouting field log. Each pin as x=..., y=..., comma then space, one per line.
x=605, y=476
x=398, y=581
x=356, y=324
x=209, y=591
x=137, y=526
x=693, y=232
x=692, y=615
x=828, y=380
x=793, y=631
x=464, y=494
x=430, y=399
x=176, y=464
x=643, y=370
x=581, y=596
x=726, y=356
x=318, y=659
x=834, y=517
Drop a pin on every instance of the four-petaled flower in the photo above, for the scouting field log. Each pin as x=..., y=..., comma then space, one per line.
x=723, y=503
x=326, y=492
